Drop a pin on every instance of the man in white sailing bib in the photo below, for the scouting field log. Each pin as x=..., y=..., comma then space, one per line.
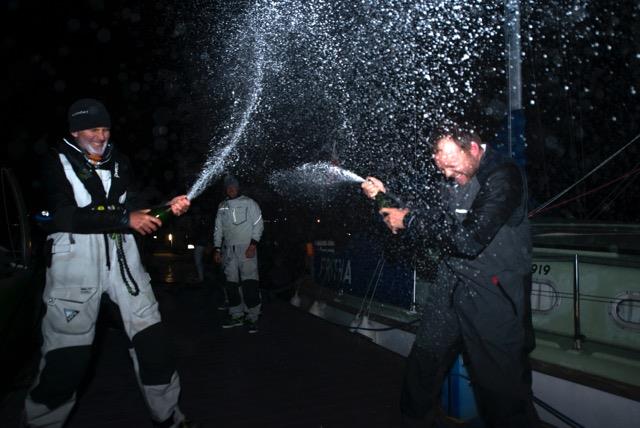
x=91, y=251
x=238, y=228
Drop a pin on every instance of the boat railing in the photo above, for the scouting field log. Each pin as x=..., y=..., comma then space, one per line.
x=586, y=299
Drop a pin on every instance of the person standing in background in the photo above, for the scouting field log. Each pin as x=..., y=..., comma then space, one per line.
x=237, y=232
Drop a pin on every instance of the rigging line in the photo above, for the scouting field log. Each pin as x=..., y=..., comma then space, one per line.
x=570, y=294
x=370, y=293
x=555, y=412
x=373, y=293
x=375, y=288
x=395, y=326
x=546, y=207
x=591, y=300
x=623, y=188
x=564, y=418
x=588, y=298
x=605, y=302
x=597, y=296
x=615, y=194
x=364, y=298
x=366, y=293
x=588, y=192
x=559, y=195
x=607, y=202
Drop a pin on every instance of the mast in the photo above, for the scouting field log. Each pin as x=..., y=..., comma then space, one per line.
x=515, y=115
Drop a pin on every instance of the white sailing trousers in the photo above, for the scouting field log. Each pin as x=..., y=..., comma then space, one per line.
x=77, y=277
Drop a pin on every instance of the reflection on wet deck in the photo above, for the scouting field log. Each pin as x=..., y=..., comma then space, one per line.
x=170, y=269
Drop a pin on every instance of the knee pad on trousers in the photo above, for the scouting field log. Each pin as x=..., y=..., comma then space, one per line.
x=155, y=355
x=250, y=293
x=62, y=373
x=233, y=293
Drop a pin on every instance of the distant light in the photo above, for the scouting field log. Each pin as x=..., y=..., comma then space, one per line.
x=317, y=220
x=170, y=237
x=190, y=246
x=155, y=236
x=43, y=216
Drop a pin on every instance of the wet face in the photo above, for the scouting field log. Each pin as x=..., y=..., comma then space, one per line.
x=455, y=162
x=232, y=191
x=93, y=141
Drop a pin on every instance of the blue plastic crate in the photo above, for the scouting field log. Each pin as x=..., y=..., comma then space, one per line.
x=457, y=395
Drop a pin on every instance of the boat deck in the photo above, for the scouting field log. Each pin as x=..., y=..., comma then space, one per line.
x=297, y=371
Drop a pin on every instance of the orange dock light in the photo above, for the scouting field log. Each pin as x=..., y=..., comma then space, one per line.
x=308, y=247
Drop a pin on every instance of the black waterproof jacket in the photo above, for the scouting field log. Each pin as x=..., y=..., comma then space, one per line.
x=105, y=213
x=482, y=233
x=481, y=228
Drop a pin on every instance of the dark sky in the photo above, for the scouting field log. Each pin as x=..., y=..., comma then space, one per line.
x=580, y=91
x=120, y=52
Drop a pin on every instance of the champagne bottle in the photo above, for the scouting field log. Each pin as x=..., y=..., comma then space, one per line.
x=388, y=200
x=163, y=213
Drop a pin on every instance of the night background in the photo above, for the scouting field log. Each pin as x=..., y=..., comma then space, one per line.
x=357, y=84
x=276, y=92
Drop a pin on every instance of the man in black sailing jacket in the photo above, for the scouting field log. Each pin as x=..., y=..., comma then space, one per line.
x=91, y=251
x=479, y=301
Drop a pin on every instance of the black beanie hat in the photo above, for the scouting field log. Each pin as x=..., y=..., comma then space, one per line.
x=88, y=113
x=230, y=180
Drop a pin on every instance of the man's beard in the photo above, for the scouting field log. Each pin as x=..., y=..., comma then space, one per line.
x=93, y=154
x=93, y=151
